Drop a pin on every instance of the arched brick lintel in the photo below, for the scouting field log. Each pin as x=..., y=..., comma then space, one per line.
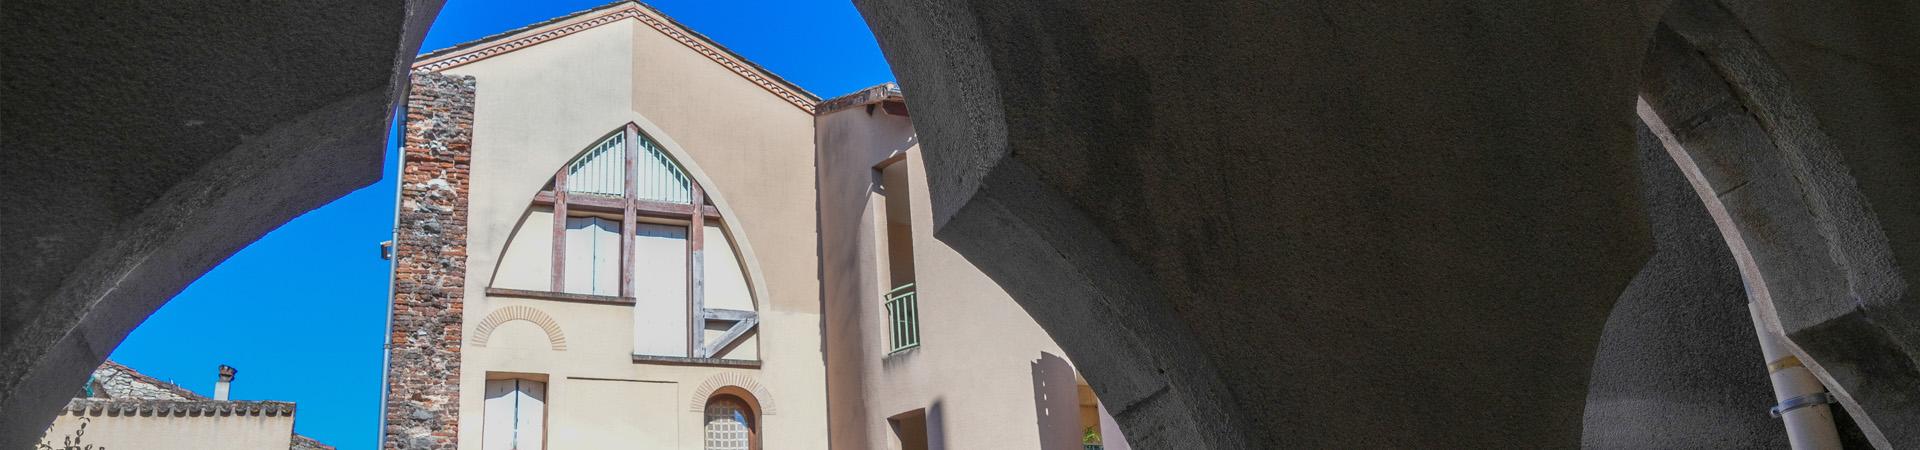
x=761, y=399
x=484, y=330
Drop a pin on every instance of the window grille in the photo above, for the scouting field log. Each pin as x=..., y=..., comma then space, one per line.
x=903, y=317
x=728, y=427
x=660, y=179
x=603, y=170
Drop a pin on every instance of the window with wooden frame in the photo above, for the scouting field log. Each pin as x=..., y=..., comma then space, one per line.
x=895, y=219
x=514, y=414
x=623, y=223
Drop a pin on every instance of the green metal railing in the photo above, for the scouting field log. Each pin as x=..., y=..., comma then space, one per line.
x=903, y=317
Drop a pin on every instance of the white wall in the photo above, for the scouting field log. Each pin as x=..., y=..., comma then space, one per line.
x=987, y=375
x=750, y=149
x=154, y=432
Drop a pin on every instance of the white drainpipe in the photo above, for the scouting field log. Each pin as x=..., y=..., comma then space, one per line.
x=1804, y=404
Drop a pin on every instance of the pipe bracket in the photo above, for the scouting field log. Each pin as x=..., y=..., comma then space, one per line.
x=1814, y=399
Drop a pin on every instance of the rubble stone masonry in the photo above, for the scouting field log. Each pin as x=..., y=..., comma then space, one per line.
x=430, y=265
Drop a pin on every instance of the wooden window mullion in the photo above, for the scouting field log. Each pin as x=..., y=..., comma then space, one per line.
x=627, y=215
x=559, y=276
x=696, y=275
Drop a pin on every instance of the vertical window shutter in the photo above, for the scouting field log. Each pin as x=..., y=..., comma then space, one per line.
x=593, y=256
x=530, y=425
x=497, y=431
x=660, y=290
x=515, y=415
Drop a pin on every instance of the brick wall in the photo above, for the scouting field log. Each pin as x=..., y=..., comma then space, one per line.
x=430, y=265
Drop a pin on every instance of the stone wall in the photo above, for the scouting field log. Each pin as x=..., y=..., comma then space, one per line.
x=430, y=261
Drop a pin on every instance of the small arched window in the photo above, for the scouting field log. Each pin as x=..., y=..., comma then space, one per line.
x=731, y=424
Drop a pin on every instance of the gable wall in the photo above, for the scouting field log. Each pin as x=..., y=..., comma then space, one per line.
x=750, y=148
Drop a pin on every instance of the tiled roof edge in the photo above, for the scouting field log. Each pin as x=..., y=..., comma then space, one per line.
x=872, y=94
x=307, y=443
x=165, y=408
x=144, y=378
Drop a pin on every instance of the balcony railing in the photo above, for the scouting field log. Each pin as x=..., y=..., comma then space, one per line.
x=903, y=317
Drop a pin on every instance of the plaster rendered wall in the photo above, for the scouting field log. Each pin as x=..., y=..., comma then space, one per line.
x=1853, y=65
x=749, y=148
x=1407, y=211
x=1679, y=364
x=527, y=261
x=987, y=376
x=1817, y=242
x=170, y=136
x=153, y=432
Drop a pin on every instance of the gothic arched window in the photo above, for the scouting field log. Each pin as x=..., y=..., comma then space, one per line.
x=623, y=222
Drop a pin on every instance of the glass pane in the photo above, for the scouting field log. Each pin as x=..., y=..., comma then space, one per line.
x=728, y=427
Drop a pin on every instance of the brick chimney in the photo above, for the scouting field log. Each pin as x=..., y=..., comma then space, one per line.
x=221, y=387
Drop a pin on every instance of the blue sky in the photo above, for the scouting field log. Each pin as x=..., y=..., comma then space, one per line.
x=302, y=311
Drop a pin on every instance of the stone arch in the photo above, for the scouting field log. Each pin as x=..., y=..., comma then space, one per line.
x=484, y=330
x=743, y=382
x=140, y=284
x=1128, y=232
x=1813, y=255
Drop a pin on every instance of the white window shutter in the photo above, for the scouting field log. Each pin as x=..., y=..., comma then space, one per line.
x=532, y=420
x=515, y=415
x=593, y=256
x=498, y=429
x=660, y=290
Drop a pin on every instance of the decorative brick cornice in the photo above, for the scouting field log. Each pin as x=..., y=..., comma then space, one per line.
x=467, y=53
x=165, y=408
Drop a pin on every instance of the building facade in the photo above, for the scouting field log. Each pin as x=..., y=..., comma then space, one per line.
x=121, y=408
x=615, y=233
x=924, y=350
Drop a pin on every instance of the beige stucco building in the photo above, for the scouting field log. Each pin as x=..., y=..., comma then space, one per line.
x=924, y=350
x=615, y=233
x=121, y=408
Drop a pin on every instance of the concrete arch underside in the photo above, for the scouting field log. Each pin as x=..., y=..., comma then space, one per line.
x=1280, y=224
x=1341, y=225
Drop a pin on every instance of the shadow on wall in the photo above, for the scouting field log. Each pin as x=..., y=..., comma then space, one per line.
x=936, y=426
x=1056, y=403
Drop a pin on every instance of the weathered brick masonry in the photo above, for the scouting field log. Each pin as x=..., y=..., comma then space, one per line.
x=430, y=265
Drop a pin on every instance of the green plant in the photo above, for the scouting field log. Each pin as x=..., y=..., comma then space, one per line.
x=1089, y=436
x=73, y=442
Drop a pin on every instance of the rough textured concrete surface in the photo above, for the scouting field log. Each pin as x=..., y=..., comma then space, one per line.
x=146, y=142
x=1678, y=365
x=1293, y=224
x=1856, y=75
x=1354, y=225
x=1813, y=218
x=1250, y=224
